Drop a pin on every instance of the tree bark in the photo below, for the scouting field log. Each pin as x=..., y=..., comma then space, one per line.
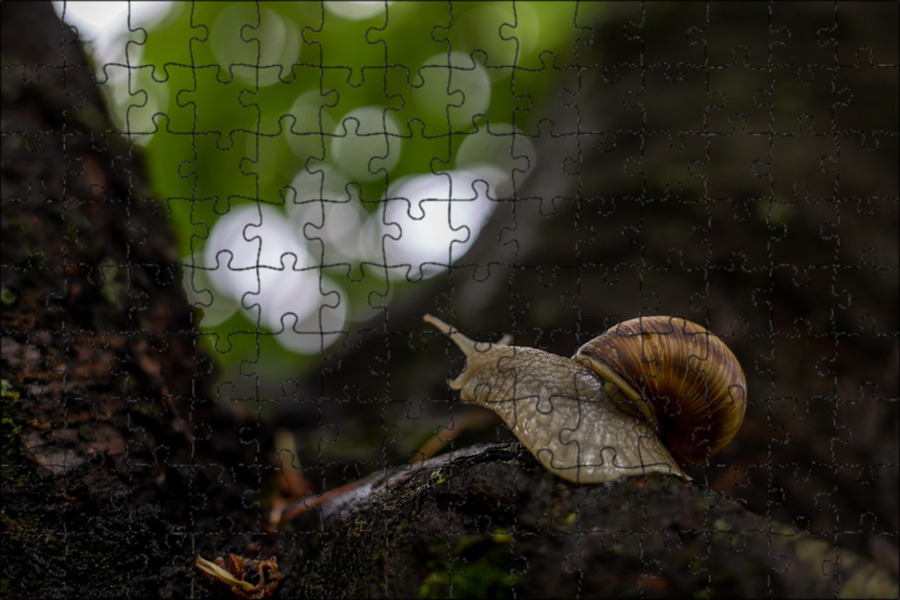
x=104, y=390
x=489, y=521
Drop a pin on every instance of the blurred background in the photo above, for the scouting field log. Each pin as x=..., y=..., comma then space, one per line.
x=334, y=170
x=341, y=152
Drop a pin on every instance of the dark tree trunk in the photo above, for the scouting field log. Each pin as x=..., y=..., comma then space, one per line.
x=104, y=390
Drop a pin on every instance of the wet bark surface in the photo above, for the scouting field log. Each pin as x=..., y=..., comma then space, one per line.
x=105, y=404
x=490, y=521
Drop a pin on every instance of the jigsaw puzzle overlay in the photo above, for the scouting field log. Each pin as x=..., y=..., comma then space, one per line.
x=260, y=382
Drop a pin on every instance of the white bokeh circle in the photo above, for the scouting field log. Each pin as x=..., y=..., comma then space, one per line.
x=240, y=46
x=255, y=256
x=423, y=226
x=453, y=87
x=366, y=143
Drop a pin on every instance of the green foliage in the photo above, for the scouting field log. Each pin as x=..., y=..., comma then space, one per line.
x=242, y=104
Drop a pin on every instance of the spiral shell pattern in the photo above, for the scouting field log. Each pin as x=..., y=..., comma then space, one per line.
x=683, y=378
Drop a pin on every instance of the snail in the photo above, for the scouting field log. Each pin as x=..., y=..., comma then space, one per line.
x=639, y=398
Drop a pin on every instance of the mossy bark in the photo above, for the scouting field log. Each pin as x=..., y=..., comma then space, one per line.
x=491, y=522
x=101, y=374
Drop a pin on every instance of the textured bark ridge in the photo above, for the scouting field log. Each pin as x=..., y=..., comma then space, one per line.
x=101, y=375
x=490, y=521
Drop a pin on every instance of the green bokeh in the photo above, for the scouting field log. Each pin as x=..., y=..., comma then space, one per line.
x=220, y=135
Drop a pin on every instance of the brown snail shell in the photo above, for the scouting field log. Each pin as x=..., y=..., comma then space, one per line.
x=683, y=378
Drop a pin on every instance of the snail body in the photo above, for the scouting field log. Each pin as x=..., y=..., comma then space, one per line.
x=605, y=413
